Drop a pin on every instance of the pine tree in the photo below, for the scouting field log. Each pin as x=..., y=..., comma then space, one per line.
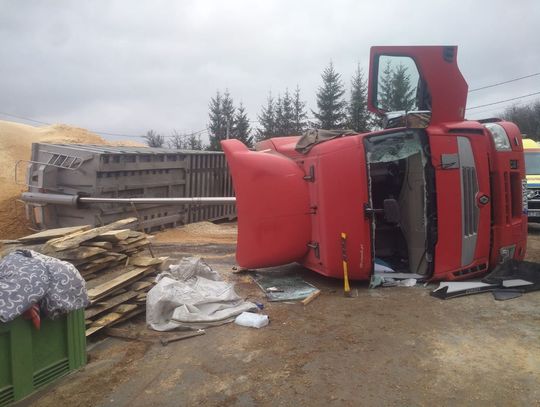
x=228, y=110
x=217, y=126
x=299, y=113
x=278, y=110
x=288, y=115
x=358, y=113
x=396, y=92
x=332, y=108
x=222, y=113
x=403, y=97
x=385, y=96
x=241, y=129
x=267, y=120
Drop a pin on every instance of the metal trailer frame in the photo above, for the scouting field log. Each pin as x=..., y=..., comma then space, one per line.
x=125, y=172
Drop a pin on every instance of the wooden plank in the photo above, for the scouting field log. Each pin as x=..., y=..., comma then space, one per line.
x=100, y=307
x=103, y=245
x=113, y=319
x=8, y=242
x=102, y=290
x=140, y=285
x=108, y=275
x=105, y=259
x=45, y=235
x=95, y=268
x=114, y=235
x=311, y=297
x=144, y=261
x=131, y=240
x=79, y=253
x=115, y=314
x=129, y=247
x=75, y=239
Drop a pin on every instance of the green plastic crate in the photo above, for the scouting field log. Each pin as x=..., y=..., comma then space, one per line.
x=30, y=359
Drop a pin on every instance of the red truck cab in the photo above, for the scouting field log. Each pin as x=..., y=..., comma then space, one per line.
x=430, y=194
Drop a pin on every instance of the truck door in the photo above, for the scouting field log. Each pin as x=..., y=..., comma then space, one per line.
x=461, y=167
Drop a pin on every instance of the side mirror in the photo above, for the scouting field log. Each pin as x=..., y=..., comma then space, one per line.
x=392, y=213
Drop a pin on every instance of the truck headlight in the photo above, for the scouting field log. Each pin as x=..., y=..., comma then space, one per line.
x=499, y=136
x=531, y=193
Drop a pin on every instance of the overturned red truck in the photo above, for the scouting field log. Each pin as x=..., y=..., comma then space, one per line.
x=431, y=194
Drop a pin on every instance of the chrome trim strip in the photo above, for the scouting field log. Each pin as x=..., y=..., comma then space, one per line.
x=469, y=209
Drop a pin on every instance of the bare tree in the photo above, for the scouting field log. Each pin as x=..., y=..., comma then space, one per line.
x=188, y=141
x=176, y=141
x=153, y=139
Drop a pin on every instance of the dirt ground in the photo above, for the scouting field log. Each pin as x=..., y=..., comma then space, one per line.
x=390, y=346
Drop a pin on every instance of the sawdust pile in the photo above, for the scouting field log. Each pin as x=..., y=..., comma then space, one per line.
x=199, y=233
x=15, y=144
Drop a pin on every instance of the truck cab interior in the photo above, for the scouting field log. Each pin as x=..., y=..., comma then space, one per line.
x=398, y=196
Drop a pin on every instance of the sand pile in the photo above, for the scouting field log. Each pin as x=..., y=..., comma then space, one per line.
x=199, y=233
x=15, y=144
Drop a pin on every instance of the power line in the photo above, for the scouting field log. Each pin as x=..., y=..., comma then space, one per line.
x=503, y=101
x=24, y=118
x=502, y=83
x=198, y=132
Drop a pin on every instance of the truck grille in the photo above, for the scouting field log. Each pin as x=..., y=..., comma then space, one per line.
x=470, y=210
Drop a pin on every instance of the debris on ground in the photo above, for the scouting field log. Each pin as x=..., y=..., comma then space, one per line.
x=110, y=260
x=283, y=285
x=311, y=297
x=168, y=339
x=251, y=320
x=508, y=280
x=192, y=295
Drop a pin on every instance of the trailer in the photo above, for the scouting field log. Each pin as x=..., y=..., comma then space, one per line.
x=107, y=172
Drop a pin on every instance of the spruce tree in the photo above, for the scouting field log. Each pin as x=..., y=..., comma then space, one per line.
x=228, y=111
x=299, y=113
x=358, y=113
x=217, y=125
x=288, y=115
x=332, y=107
x=403, y=97
x=395, y=89
x=241, y=128
x=221, y=115
x=278, y=109
x=385, y=95
x=267, y=120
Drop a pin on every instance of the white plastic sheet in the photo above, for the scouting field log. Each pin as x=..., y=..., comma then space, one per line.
x=192, y=296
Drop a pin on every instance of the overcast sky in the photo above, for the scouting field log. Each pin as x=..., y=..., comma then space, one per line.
x=129, y=66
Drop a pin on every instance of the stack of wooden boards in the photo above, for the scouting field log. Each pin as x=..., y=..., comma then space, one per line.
x=110, y=259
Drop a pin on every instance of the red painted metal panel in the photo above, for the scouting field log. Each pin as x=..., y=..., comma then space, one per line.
x=437, y=65
x=274, y=226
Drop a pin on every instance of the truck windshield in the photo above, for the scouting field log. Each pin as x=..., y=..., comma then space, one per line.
x=532, y=163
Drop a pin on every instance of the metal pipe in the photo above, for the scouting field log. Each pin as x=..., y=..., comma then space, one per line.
x=194, y=201
x=75, y=200
x=56, y=199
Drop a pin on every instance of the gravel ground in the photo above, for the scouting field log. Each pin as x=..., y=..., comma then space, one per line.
x=391, y=346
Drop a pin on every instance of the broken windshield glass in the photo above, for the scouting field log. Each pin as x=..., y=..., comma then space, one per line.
x=392, y=148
